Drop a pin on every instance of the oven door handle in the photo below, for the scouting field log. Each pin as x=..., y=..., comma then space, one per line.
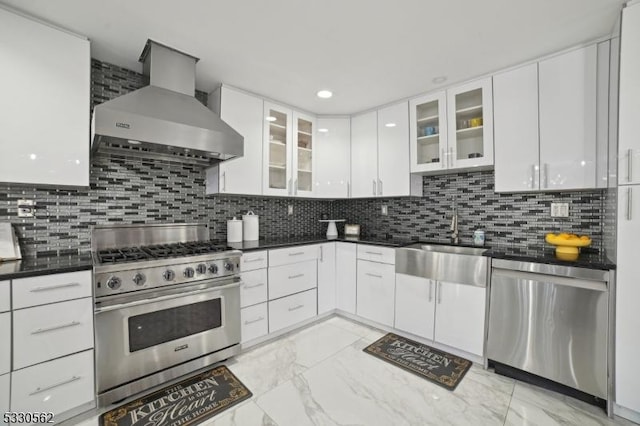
x=163, y=298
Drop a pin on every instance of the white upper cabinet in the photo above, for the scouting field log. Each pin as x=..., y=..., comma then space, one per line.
x=393, y=151
x=333, y=153
x=515, y=109
x=303, y=154
x=244, y=113
x=567, y=90
x=428, y=132
x=470, y=125
x=364, y=155
x=45, y=103
x=628, y=139
x=277, y=149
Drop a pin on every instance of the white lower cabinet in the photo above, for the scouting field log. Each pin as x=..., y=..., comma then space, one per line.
x=293, y=278
x=254, y=287
x=327, y=278
x=254, y=322
x=415, y=305
x=5, y=392
x=55, y=386
x=292, y=309
x=5, y=296
x=376, y=291
x=346, y=277
x=460, y=315
x=51, y=331
x=5, y=343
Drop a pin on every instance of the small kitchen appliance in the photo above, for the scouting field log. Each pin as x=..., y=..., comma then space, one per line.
x=351, y=230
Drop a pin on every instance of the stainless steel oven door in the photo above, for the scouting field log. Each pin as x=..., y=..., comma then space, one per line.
x=147, y=333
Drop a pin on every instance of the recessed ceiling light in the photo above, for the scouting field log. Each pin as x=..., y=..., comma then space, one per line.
x=33, y=156
x=132, y=142
x=323, y=130
x=390, y=125
x=439, y=80
x=271, y=118
x=324, y=94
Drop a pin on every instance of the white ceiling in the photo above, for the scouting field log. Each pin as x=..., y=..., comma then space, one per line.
x=368, y=52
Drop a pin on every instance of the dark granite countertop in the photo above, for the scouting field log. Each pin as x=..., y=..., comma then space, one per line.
x=588, y=258
x=315, y=239
x=31, y=267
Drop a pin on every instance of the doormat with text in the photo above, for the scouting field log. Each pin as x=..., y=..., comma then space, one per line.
x=185, y=403
x=435, y=365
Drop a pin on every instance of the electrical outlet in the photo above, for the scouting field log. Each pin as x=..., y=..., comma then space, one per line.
x=290, y=209
x=385, y=210
x=559, y=209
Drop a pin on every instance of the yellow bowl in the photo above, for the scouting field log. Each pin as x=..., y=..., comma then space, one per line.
x=557, y=241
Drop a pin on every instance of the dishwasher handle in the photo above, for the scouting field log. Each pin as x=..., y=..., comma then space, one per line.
x=551, y=279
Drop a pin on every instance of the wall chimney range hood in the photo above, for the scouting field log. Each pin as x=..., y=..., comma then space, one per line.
x=164, y=120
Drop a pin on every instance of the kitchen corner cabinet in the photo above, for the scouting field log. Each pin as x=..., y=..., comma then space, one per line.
x=45, y=103
x=380, y=154
x=452, y=130
x=244, y=113
x=346, y=277
x=629, y=103
x=545, y=122
x=327, y=278
x=333, y=152
x=288, y=152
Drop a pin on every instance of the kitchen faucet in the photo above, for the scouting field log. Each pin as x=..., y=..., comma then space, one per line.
x=454, y=226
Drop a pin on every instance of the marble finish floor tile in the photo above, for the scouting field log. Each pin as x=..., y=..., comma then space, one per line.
x=265, y=367
x=540, y=407
x=353, y=388
x=245, y=414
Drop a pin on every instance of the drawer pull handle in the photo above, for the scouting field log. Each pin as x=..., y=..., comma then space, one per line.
x=298, y=253
x=374, y=275
x=292, y=277
x=255, y=320
x=53, y=287
x=247, y=287
x=46, y=388
x=258, y=259
x=55, y=327
x=373, y=252
x=295, y=308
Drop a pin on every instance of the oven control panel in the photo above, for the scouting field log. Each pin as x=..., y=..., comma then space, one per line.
x=123, y=281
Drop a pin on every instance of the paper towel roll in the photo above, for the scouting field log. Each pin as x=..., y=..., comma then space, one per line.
x=234, y=230
x=250, y=227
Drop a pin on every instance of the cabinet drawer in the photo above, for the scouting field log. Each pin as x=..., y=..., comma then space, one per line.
x=254, y=322
x=377, y=254
x=51, y=331
x=289, y=279
x=5, y=391
x=5, y=343
x=293, y=255
x=253, y=260
x=50, y=289
x=376, y=291
x=292, y=310
x=54, y=386
x=254, y=287
x=5, y=296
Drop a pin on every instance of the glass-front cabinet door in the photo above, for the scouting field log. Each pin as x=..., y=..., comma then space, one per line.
x=303, y=154
x=470, y=120
x=277, y=165
x=428, y=133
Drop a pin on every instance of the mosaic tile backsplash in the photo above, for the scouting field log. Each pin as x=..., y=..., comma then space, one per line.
x=135, y=191
x=510, y=219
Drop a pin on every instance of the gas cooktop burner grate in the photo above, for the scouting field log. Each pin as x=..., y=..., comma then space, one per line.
x=161, y=251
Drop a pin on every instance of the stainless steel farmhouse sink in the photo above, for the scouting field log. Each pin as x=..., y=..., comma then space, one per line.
x=463, y=265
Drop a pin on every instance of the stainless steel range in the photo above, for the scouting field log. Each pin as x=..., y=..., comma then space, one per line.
x=167, y=304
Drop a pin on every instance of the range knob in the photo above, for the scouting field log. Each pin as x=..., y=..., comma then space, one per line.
x=114, y=283
x=139, y=279
x=201, y=268
x=189, y=272
x=213, y=268
x=169, y=275
x=228, y=266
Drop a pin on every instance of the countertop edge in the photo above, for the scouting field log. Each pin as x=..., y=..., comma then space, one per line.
x=46, y=271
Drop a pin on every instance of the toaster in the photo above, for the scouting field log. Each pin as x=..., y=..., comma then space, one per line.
x=351, y=230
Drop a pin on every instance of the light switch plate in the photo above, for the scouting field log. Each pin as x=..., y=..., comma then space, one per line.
x=385, y=210
x=559, y=209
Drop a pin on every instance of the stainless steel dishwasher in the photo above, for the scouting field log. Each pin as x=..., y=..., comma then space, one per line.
x=553, y=321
